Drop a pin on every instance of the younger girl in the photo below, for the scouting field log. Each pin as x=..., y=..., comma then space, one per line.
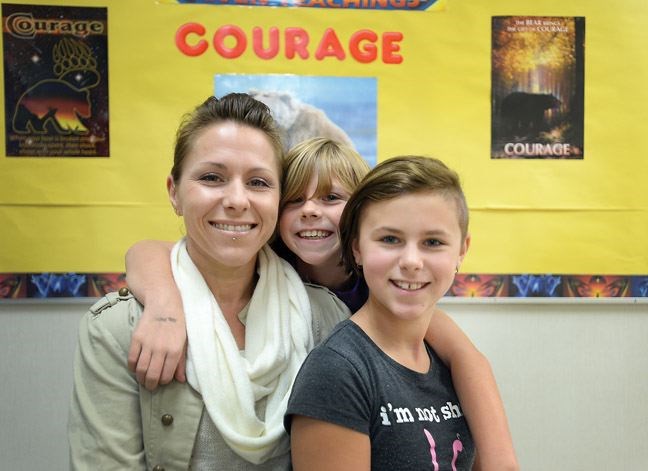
x=374, y=394
x=319, y=177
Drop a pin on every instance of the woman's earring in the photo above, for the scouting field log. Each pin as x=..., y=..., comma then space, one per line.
x=457, y=268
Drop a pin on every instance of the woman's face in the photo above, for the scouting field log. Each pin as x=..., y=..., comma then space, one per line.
x=228, y=195
x=309, y=225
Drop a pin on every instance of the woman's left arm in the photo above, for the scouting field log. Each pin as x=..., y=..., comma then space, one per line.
x=477, y=390
x=105, y=422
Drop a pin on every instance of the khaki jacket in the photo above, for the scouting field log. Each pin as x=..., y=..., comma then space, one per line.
x=114, y=423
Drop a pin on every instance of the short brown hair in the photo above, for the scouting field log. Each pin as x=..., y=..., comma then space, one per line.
x=394, y=177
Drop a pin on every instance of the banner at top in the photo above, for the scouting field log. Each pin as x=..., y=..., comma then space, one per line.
x=431, y=5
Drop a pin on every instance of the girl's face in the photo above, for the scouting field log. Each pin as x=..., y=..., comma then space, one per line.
x=228, y=195
x=409, y=248
x=309, y=225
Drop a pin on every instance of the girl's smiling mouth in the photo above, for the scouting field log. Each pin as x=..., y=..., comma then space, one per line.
x=409, y=285
x=314, y=234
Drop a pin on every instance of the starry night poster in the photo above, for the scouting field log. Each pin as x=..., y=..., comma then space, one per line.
x=538, y=65
x=56, y=81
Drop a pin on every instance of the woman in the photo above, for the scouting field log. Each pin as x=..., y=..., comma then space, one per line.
x=250, y=320
x=374, y=395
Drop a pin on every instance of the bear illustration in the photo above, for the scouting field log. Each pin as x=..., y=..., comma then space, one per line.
x=298, y=120
x=52, y=105
x=60, y=105
x=524, y=113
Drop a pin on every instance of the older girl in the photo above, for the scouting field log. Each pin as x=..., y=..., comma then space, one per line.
x=375, y=395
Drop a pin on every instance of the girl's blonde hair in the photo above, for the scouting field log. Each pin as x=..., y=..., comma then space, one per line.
x=325, y=158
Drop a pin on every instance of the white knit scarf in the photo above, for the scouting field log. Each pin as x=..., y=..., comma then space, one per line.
x=278, y=337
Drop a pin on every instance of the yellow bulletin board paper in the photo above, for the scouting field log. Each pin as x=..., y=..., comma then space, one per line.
x=433, y=91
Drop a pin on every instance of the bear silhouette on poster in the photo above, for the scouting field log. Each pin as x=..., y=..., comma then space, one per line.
x=524, y=114
x=60, y=105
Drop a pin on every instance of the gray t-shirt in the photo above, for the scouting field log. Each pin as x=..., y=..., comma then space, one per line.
x=413, y=419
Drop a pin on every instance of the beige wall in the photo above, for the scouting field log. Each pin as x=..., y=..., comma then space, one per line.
x=573, y=374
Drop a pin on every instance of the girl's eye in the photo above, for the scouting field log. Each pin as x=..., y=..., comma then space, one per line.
x=331, y=197
x=389, y=239
x=433, y=243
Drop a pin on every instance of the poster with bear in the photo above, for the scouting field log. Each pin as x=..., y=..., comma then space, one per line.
x=537, y=87
x=56, y=81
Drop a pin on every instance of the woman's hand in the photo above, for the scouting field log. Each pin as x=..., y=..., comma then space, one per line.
x=158, y=346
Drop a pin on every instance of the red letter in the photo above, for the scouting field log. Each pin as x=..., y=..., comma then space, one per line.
x=389, y=47
x=257, y=42
x=329, y=46
x=219, y=41
x=368, y=52
x=296, y=42
x=181, y=39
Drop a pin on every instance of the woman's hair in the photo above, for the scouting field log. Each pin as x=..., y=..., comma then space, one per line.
x=396, y=177
x=240, y=108
x=325, y=158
